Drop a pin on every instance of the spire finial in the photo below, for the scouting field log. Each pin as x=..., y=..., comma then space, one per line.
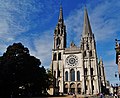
x=101, y=61
x=61, y=14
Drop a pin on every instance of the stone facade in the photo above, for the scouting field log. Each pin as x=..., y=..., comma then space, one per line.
x=75, y=69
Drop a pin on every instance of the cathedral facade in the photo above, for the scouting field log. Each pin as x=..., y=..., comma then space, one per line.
x=76, y=69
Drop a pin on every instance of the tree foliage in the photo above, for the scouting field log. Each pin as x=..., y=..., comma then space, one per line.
x=21, y=74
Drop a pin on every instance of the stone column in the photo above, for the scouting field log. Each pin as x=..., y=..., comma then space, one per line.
x=75, y=74
x=75, y=80
x=69, y=75
x=75, y=87
x=69, y=87
x=83, y=79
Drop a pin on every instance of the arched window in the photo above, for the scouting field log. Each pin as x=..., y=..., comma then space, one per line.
x=58, y=31
x=90, y=53
x=66, y=76
x=58, y=42
x=66, y=88
x=84, y=54
x=54, y=56
x=87, y=46
x=55, y=74
x=59, y=56
x=78, y=75
x=92, y=85
x=91, y=71
x=58, y=73
x=72, y=75
x=79, y=88
x=85, y=71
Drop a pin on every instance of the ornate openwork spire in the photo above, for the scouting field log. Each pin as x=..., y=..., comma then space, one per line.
x=60, y=32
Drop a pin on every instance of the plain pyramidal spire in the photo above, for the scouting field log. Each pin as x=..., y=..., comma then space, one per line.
x=86, y=26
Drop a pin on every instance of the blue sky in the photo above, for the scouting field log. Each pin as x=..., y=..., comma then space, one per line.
x=32, y=22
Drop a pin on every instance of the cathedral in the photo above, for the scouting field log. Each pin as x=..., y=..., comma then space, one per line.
x=76, y=69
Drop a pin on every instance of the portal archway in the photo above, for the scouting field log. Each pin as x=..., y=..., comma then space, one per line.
x=72, y=88
x=66, y=88
x=79, y=88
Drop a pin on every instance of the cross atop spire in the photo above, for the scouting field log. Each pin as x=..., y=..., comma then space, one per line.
x=86, y=26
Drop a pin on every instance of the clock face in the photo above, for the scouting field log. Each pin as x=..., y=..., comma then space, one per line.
x=72, y=60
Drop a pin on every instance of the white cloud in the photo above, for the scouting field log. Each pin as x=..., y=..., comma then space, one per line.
x=9, y=25
x=3, y=27
x=43, y=48
x=105, y=19
x=2, y=48
x=74, y=25
x=20, y=16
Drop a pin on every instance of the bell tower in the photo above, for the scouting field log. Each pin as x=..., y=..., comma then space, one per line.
x=90, y=64
x=57, y=54
x=87, y=40
x=60, y=32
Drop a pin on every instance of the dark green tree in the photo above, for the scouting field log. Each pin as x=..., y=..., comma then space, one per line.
x=50, y=78
x=21, y=74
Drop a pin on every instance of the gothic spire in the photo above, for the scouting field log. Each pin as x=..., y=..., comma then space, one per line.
x=61, y=14
x=86, y=26
x=60, y=32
